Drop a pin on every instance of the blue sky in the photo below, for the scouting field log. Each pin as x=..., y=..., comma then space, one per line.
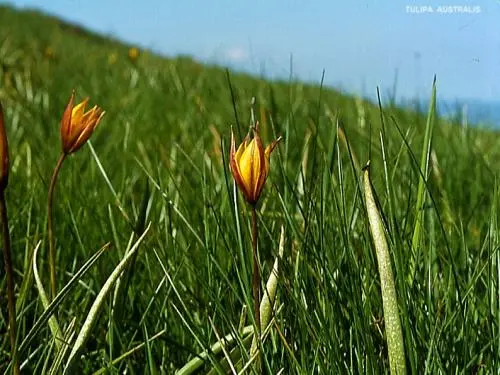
x=360, y=44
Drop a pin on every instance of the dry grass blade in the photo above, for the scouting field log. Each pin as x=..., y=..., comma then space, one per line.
x=267, y=303
x=53, y=323
x=98, y=302
x=394, y=334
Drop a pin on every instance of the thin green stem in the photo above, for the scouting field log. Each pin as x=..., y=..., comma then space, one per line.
x=9, y=270
x=256, y=288
x=256, y=273
x=50, y=231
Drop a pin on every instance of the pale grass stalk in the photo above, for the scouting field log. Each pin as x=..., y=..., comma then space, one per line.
x=394, y=334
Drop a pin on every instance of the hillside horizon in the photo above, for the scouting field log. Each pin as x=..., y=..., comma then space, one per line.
x=480, y=112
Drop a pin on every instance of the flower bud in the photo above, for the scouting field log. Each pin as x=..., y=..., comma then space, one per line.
x=77, y=125
x=250, y=164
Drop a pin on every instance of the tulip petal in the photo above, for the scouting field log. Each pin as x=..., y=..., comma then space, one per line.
x=235, y=169
x=262, y=173
x=269, y=149
x=78, y=111
x=249, y=164
x=88, y=118
x=242, y=147
x=94, y=117
x=66, y=121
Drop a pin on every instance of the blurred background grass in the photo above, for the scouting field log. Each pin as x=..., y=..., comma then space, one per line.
x=167, y=124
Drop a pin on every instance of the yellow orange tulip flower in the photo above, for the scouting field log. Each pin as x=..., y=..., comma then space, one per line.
x=250, y=164
x=77, y=125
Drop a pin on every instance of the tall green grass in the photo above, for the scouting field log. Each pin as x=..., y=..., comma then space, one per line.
x=160, y=157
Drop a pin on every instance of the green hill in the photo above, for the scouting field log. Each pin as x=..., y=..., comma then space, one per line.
x=160, y=155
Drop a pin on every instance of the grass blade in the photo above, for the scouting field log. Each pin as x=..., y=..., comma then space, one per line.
x=59, y=298
x=96, y=306
x=394, y=334
x=53, y=323
x=424, y=168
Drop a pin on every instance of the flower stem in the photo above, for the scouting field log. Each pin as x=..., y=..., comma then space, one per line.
x=11, y=299
x=256, y=273
x=50, y=232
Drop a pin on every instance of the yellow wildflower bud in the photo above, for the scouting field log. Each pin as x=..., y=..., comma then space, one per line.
x=77, y=125
x=133, y=54
x=250, y=164
x=4, y=153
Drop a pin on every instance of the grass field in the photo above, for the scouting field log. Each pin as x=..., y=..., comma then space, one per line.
x=159, y=160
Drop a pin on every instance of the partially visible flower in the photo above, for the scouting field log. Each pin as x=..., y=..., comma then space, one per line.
x=4, y=153
x=250, y=164
x=77, y=125
x=133, y=54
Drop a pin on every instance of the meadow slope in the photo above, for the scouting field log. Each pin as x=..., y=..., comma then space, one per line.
x=160, y=156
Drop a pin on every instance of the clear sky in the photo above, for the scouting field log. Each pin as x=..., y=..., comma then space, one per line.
x=360, y=44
